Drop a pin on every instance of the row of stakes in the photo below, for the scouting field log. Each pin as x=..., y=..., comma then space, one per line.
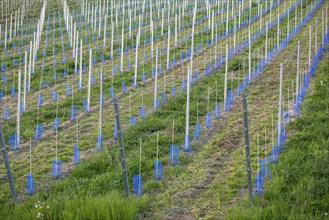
x=40, y=128
x=137, y=179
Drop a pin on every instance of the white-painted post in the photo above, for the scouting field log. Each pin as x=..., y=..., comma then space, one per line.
x=139, y=29
x=280, y=106
x=112, y=37
x=168, y=14
x=151, y=11
x=266, y=37
x=326, y=18
x=25, y=74
x=99, y=23
x=122, y=49
x=76, y=53
x=129, y=11
x=80, y=69
x=260, y=19
x=288, y=23
x=136, y=62
x=168, y=48
x=208, y=14
x=18, y=118
x=71, y=29
x=15, y=24
x=296, y=18
x=212, y=26
x=298, y=70
x=88, y=14
x=30, y=67
x=234, y=37
x=162, y=22
x=225, y=81
x=179, y=17
x=216, y=50
x=101, y=107
x=278, y=31
x=323, y=29
x=249, y=38
x=310, y=49
x=271, y=11
x=227, y=17
x=316, y=36
x=105, y=22
x=301, y=11
x=94, y=19
x=192, y=40
x=176, y=30
x=116, y=17
x=156, y=80
x=6, y=34
x=152, y=34
x=232, y=8
x=187, y=126
x=11, y=27
x=240, y=6
x=34, y=52
x=89, y=80
x=73, y=45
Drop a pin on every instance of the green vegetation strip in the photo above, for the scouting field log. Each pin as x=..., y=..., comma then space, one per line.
x=300, y=185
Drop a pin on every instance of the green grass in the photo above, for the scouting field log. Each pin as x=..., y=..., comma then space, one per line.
x=86, y=190
x=299, y=188
x=111, y=206
x=102, y=173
